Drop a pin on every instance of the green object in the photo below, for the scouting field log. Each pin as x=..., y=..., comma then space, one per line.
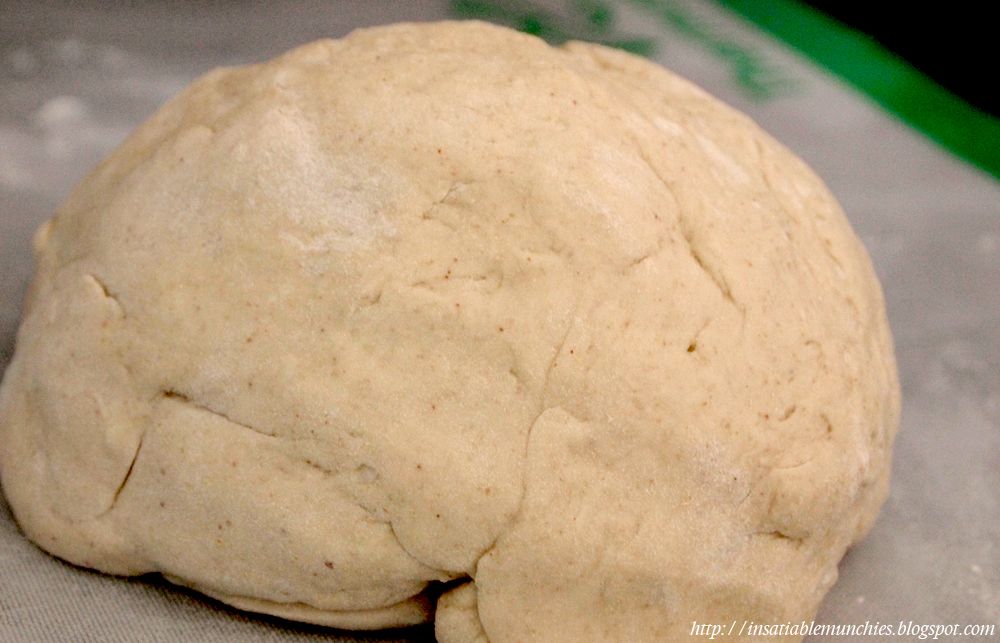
x=590, y=20
x=750, y=70
x=595, y=21
x=888, y=79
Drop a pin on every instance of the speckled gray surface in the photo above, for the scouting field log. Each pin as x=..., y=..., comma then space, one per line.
x=76, y=78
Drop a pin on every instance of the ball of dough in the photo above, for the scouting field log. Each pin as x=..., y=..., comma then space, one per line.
x=439, y=308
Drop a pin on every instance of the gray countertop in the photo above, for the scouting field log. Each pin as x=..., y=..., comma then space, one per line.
x=76, y=78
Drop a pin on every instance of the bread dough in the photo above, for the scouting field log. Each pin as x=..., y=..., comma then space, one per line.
x=441, y=308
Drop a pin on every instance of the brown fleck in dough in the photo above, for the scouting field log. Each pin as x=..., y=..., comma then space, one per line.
x=440, y=302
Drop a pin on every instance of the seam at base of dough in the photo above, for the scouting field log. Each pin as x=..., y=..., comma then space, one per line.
x=413, y=611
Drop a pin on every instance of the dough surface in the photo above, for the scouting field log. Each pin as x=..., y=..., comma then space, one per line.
x=439, y=307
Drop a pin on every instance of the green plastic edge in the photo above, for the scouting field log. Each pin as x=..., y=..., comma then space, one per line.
x=913, y=97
